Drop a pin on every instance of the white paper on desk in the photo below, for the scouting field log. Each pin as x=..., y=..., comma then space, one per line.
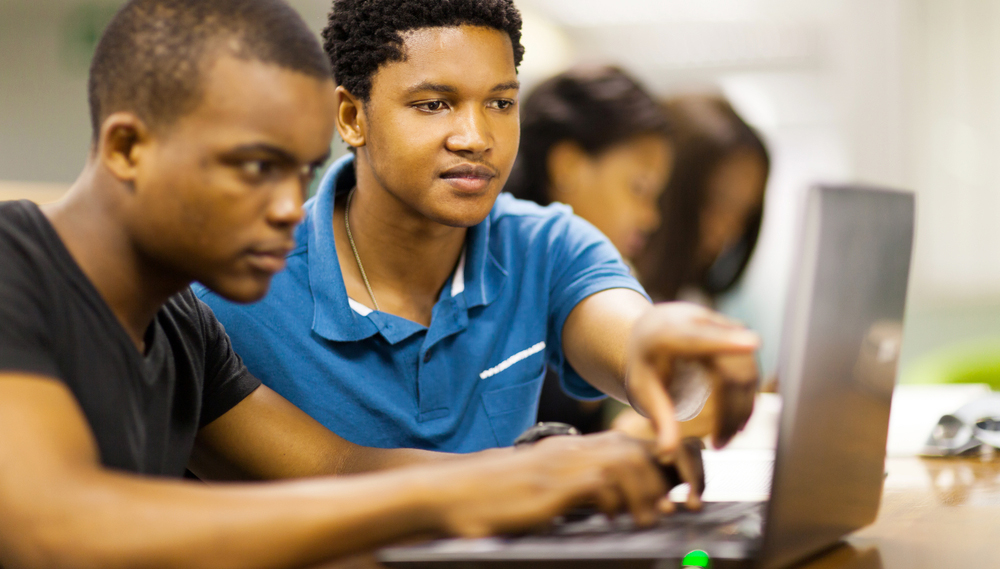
x=742, y=470
x=738, y=475
x=916, y=409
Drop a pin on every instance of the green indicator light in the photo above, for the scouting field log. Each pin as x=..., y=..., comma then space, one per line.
x=696, y=558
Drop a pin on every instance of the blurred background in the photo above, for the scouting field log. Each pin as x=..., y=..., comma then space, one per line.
x=898, y=93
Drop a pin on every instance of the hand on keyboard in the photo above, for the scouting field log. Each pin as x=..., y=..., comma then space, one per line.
x=532, y=485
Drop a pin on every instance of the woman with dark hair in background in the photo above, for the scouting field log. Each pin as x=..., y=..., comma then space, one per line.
x=713, y=205
x=594, y=139
x=712, y=211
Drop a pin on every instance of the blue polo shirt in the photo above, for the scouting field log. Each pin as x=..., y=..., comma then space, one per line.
x=469, y=381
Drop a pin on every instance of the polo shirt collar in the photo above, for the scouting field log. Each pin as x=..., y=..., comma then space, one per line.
x=478, y=279
x=485, y=276
x=333, y=318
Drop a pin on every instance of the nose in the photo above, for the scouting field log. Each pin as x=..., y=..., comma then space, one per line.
x=285, y=208
x=473, y=133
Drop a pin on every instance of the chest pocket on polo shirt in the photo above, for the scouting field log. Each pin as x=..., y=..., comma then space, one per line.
x=511, y=410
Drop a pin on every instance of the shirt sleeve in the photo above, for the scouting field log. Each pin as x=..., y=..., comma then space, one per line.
x=582, y=262
x=25, y=344
x=227, y=380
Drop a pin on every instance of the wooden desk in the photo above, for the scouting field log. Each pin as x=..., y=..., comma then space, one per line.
x=935, y=514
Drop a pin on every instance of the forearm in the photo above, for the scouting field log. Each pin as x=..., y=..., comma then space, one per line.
x=369, y=459
x=596, y=338
x=599, y=340
x=102, y=519
x=265, y=437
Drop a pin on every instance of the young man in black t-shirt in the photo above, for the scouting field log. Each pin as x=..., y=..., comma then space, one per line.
x=209, y=119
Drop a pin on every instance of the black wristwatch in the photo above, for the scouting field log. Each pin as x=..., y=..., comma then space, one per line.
x=540, y=431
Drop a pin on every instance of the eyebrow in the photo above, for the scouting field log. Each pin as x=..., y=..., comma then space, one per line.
x=508, y=86
x=280, y=153
x=451, y=89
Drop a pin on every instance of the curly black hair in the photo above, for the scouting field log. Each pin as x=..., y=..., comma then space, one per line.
x=363, y=35
x=151, y=57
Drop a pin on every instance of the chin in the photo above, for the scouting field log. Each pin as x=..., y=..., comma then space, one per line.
x=243, y=291
x=466, y=211
x=462, y=219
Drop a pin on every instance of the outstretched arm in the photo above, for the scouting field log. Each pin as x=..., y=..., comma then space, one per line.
x=631, y=350
x=61, y=508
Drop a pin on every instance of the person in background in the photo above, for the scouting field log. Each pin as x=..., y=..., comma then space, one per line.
x=594, y=139
x=712, y=212
x=713, y=206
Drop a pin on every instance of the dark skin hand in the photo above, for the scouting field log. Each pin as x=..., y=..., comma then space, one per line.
x=734, y=397
x=630, y=350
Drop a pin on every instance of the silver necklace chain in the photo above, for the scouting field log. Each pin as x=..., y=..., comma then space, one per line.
x=347, y=224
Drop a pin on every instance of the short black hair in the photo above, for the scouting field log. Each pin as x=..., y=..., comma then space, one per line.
x=363, y=35
x=151, y=57
x=596, y=107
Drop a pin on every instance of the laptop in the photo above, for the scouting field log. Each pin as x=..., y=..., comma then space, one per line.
x=840, y=345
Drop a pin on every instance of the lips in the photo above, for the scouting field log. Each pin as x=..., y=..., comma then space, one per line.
x=269, y=259
x=470, y=178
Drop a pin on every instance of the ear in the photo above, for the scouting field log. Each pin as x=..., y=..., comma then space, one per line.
x=351, y=121
x=569, y=166
x=120, y=145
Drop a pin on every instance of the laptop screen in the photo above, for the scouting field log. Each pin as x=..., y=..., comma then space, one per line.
x=841, y=341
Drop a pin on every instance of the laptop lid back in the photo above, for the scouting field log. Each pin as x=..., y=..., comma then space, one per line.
x=841, y=341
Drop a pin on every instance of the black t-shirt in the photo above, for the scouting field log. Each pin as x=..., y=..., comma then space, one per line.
x=144, y=410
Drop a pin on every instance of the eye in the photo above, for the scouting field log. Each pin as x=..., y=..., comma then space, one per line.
x=308, y=172
x=503, y=104
x=257, y=168
x=431, y=106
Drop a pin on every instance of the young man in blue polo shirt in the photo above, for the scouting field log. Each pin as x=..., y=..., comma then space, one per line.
x=421, y=306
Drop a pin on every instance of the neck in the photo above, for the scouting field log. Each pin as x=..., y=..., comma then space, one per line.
x=407, y=257
x=89, y=222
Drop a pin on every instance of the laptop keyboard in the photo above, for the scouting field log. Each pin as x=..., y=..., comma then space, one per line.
x=742, y=520
x=731, y=530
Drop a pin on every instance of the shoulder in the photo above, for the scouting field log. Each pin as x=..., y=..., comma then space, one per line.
x=218, y=307
x=27, y=248
x=185, y=302
x=509, y=207
x=18, y=209
x=19, y=224
x=554, y=225
x=188, y=315
x=513, y=218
